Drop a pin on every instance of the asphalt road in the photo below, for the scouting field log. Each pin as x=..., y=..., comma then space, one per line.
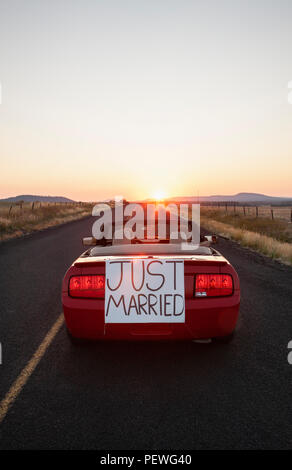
x=142, y=395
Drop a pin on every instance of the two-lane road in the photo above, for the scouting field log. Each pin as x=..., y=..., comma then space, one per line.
x=142, y=395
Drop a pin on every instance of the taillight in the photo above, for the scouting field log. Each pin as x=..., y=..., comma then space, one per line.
x=213, y=285
x=92, y=286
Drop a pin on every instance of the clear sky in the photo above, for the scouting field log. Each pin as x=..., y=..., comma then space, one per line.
x=135, y=97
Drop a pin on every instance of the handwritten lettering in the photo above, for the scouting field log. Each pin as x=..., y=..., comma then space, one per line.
x=144, y=290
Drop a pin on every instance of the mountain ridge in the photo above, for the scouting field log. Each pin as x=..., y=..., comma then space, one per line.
x=239, y=197
x=34, y=198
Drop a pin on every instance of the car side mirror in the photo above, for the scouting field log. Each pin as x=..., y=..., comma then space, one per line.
x=212, y=238
x=89, y=241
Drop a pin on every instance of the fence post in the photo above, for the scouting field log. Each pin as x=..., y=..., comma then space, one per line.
x=257, y=211
x=10, y=209
x=272, y=214
x=244, y=211
x=226, y=207
x=32, y=206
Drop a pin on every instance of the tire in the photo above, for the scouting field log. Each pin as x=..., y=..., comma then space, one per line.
x=73, y=340
x=224, y=339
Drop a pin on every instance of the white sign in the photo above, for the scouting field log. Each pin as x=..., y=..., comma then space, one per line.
x=145, y=291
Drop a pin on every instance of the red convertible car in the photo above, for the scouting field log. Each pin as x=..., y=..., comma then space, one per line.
x=138, y=291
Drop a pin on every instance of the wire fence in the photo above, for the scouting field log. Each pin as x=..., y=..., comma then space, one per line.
x=271, y=212
x=19, y=208
x=267, y=211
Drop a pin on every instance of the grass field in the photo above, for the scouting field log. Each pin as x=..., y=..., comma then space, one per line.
x=21, y=219
x=265, y=211
x=272, y=237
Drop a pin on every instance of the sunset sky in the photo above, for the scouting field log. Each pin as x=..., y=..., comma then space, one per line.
x=101, y=98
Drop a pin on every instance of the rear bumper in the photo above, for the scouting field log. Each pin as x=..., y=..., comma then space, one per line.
x=205, y=318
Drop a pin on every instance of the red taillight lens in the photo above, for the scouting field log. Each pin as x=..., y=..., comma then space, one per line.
x=213, y=285
x=87, y=286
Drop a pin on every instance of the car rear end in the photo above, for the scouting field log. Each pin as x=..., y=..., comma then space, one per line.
x=211, y=291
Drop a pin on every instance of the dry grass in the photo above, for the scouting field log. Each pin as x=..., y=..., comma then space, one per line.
x=21, y=220
x=263, y=243
x=279, y=229
x=265, y=211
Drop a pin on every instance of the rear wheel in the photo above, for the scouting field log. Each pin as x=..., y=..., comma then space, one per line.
x=73, y=340
x=224, y=339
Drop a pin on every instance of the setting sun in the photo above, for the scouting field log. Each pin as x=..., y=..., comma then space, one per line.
x=159, y=195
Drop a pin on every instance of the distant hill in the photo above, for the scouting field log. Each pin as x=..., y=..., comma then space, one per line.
x=239, y=198
x=33, y=198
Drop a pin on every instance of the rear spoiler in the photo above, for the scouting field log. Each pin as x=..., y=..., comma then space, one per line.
x=91, y=262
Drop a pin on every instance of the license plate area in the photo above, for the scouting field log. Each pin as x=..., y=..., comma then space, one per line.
x=143, y=290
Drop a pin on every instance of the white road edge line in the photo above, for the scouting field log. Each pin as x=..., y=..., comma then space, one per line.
x=25, y=374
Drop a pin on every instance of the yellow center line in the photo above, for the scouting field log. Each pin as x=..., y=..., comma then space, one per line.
x=25, y=374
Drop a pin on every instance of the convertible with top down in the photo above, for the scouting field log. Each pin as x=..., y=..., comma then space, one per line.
x=141, y=290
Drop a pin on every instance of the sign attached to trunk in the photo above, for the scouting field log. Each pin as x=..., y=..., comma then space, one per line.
x=145, y=291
